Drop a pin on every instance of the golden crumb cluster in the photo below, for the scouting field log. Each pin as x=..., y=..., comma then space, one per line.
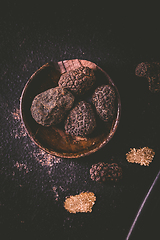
x=142, y=156
x=80, y=203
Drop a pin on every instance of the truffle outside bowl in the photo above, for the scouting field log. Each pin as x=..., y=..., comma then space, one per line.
x=53, y=139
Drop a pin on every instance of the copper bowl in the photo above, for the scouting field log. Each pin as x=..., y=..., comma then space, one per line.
x=53, y=139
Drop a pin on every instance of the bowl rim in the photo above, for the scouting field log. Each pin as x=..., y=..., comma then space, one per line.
x=77, y=155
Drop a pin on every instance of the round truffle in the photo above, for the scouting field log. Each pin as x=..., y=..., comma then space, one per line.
x=81, y=120
x=104, y=100
x=51, y=106
x=78, y=81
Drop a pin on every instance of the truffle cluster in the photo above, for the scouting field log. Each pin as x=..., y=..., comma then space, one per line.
x=104, y=101
x=101, y=172
x=81, y=120
x=50, y=107
x=78, y=81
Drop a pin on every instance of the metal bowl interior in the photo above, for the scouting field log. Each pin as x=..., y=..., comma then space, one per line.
x=53, y=139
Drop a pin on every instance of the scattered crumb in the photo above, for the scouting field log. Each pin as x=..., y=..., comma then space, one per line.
x=57, y=160
x=21, y=166
x=41, y=156
x=16, y=114
x=80, y=203
x=45, y=159
x=62, y=189
x=19, y=131
x=142, y=156
x=56, y=193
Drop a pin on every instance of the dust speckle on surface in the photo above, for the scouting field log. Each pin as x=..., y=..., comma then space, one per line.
x=55, y=190
x=21, y=166
x=44, y=162
x=45, y=159
x=19, y=130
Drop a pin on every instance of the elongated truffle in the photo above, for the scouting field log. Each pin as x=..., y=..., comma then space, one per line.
x=78, y=81
x=104, y=100
x=81, y=120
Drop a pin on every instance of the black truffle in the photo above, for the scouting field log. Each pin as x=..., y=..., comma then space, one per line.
x=81, y=120
x=78, y=81
x=101, y=172
x=151, y=71
x=51, y=106
x=142, y=69
x=104, y=100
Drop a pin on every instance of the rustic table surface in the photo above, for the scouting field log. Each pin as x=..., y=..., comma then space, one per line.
x=34, y=184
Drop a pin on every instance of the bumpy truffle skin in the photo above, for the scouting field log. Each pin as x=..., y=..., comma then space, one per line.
x=49, y=107
x=152, y=72
x=104, y=100
x=141, y=69
x=78, y=81
x=81, y=120
x=101, y=172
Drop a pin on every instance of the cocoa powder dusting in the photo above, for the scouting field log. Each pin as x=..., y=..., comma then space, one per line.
x=19, y=131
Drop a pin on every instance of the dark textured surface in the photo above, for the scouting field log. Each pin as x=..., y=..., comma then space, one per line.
x=81, y=120
x=102, y=172
x=78, y=81
x=51, y=106
x=34, y=185
x=104, y=101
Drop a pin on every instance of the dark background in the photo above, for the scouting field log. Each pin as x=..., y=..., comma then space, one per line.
x=116, y=38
